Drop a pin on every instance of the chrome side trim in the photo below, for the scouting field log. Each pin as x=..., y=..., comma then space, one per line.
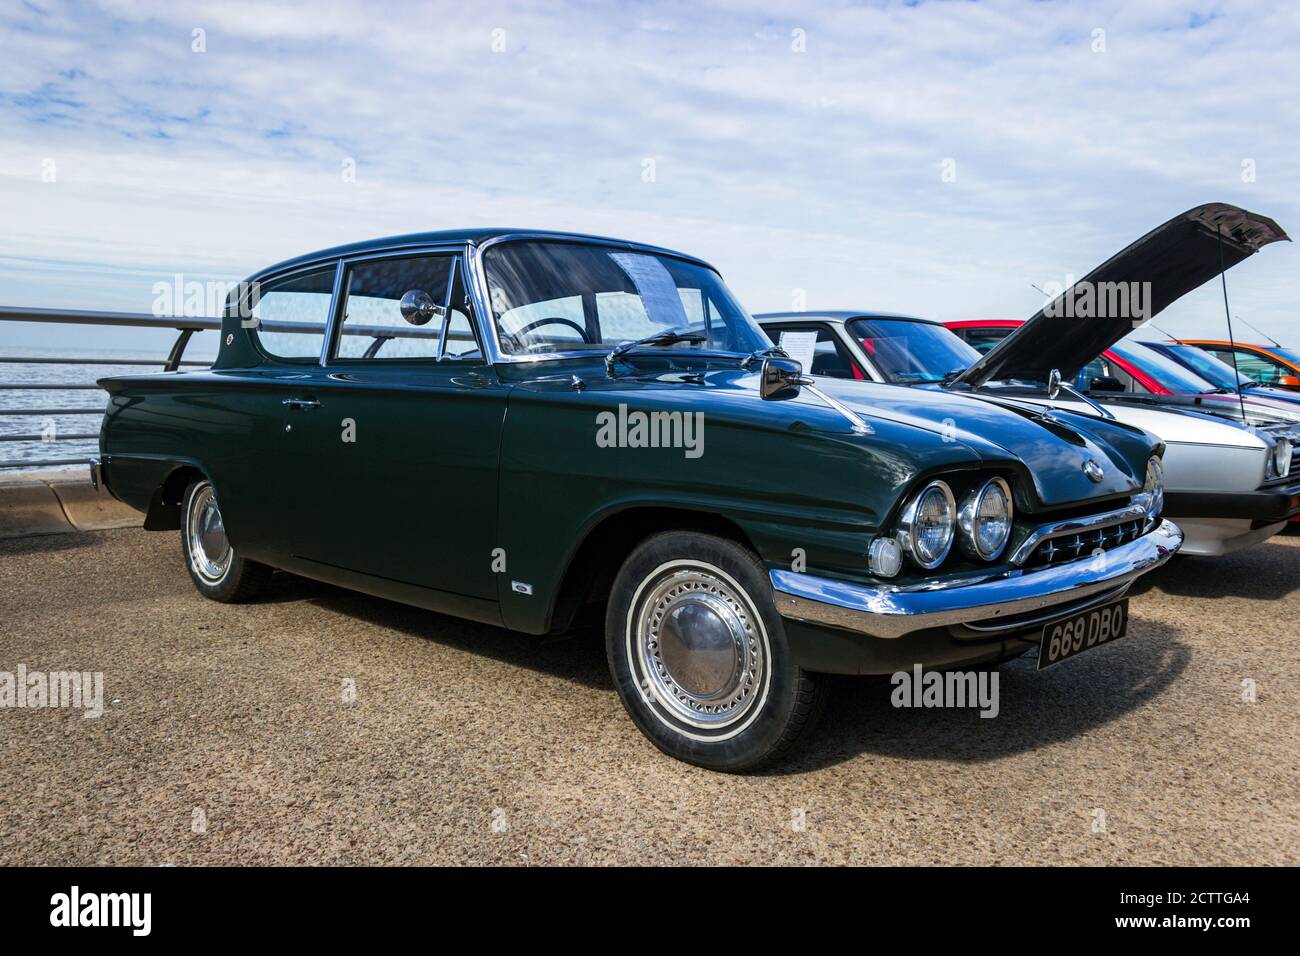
x=859, y=426
x=1057, y=529
x=96, y=473
x=891, y=612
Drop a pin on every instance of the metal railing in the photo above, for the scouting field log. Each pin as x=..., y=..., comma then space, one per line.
x=184, y=326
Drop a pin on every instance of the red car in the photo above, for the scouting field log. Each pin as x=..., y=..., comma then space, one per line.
x=1130, y=367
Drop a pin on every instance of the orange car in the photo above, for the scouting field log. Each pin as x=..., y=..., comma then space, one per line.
x=1266, y=364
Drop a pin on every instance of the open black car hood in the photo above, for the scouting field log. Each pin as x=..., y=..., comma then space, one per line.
x=1081, y=323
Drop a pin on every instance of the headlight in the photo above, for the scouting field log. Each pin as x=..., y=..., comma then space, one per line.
x=1281, y=458
x=925, y=527
x=985, y=520
x=1153, y=489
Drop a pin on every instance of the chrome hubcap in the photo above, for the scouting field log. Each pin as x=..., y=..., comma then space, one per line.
x=210, y=550
x=702, y=654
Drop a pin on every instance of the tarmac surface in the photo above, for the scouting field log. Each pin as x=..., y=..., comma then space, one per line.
x=231, y=735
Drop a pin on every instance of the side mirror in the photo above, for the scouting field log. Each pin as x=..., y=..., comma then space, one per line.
x=418, y=307
x=1288, y=381
x=780, y=378
x=1105, y=383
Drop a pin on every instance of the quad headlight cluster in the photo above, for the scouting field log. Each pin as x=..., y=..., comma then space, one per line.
x=931, y=521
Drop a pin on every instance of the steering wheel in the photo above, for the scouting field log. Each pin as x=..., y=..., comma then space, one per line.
x=552, y=320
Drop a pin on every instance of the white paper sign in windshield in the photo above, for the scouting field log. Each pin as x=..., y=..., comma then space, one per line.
x=658, y=291
x=801, y=346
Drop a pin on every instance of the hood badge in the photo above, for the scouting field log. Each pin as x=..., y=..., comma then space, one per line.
x=1093, y=470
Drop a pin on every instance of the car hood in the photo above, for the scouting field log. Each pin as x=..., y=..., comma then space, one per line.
x=1126, y=291
x=1053, y=447
x=1048, y=450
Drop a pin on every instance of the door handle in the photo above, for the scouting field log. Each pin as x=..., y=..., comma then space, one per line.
x=301, y=403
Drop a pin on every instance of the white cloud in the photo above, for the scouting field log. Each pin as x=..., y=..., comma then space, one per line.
x=817, y=170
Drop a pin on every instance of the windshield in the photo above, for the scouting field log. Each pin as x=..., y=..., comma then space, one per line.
x=910, y=352
x=550, y=296
x=1219, y=374
x=1164, y=370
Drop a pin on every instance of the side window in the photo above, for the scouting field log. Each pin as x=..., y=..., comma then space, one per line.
x=1094, y=369
x=1251, y=366
x=1259, y=368
x=829, y=357
x=291, y=314
x=982, y=340
x=373, y=326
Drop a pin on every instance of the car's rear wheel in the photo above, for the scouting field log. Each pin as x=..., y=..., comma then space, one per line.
x=215, y=568
x=699, y=655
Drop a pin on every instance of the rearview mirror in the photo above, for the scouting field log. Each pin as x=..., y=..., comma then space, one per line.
x=780, y=378
x=1288, y=381
x=1105, y=383
x=418, y=307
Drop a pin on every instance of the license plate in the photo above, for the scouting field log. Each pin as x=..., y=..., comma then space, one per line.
x=1082, y=632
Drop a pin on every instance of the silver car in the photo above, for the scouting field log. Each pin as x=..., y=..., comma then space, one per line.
x=1230, y=481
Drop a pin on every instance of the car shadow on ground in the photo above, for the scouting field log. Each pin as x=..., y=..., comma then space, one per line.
x=1266, y=572
x=1035, y=709
x=47, y=543
x=577, y=655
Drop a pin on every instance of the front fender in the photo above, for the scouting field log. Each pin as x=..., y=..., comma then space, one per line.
x=783, y=480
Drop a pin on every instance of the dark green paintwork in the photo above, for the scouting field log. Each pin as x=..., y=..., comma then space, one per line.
x=454, y=460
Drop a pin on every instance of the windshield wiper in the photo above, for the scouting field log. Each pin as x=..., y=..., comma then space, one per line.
x=658, y=340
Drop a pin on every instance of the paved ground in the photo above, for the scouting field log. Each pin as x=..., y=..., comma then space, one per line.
x=238, y=712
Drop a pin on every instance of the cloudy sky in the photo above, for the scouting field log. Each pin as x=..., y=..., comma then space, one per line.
x=935, y=158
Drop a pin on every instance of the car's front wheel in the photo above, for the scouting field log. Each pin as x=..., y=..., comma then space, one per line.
x=215, y=568
x=699, y=655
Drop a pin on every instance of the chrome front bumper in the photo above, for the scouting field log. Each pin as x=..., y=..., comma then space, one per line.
x=891, y=612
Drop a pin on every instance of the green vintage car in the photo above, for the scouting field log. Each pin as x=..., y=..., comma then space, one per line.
x=522, y=428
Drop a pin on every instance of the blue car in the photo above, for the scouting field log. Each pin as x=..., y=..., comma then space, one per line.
x=1219, y=374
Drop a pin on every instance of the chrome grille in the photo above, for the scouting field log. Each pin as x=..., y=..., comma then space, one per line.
x=1084, y=543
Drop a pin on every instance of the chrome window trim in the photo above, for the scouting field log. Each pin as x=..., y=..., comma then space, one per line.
x=482, y=299
x=318, y=265
x=459, y=252
x=332, y=321
x=842, y=330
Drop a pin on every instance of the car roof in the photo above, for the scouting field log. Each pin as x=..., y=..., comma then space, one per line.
x=1227, y=344
x=840, y=315
x=477, y=236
